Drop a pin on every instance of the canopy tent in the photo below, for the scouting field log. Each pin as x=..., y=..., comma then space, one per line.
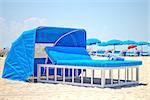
x=20, y=61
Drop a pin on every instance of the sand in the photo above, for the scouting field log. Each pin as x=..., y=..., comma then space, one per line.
x=14, y=90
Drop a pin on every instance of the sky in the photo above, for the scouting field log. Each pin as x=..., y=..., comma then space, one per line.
x=102, y=19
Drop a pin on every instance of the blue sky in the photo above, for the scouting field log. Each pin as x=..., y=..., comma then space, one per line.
x=103, y=19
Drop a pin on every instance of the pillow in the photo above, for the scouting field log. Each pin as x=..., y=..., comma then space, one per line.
x=54, y=56
x=72, y=50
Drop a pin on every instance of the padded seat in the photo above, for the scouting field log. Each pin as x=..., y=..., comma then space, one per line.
x=99, y=63
x=76, y=56
x=66, y=53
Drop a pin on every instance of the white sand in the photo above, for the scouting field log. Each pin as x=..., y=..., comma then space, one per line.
x=14, y=90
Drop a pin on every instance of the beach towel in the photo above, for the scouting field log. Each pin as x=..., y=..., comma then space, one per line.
x=112, y=56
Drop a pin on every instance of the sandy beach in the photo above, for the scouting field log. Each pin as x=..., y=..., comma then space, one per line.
x=15, y=90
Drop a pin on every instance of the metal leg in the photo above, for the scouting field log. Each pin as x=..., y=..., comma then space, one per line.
x=47, y=73
x=137, y=74
x=55, y=74
x=68, y=72
x=111, y=76
x=33, y=78
x=131, y=73
x=110, y=73
x=127, y=74
x=44, y=72
x=61, y=71
x=103, y=78
x=118, y=76
x=85, y=73
x=72, y=75
x=63, y=74
x=38, y=72
x=101, y=73
x=76, y=72
x=93, y=73
x=81, y=76
x=92, y=76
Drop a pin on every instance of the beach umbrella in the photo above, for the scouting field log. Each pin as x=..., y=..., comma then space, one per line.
x=114, y=42
x=128, y=42
x=132, y=46
x=91, y=44
x=102, y=44
x=92, y=41
x=141, y=43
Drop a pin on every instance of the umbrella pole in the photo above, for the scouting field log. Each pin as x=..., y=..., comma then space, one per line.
x=141, y=48
x=114, y=47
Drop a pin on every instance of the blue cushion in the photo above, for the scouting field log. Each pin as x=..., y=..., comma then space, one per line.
x=72, y=50
x=99, y=63
x=117, y=52
x=66, y=53
x=101, y=52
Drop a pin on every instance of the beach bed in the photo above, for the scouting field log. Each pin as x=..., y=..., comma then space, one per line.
x=77, y=69
x=66, y=60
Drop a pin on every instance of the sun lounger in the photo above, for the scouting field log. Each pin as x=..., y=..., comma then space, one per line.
x=101, y=53
x=117, y=52
x=123, y=53
x=77, y=59
x=132, y=53
x=144, y=53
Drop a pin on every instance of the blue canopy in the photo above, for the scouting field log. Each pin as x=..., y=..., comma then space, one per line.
x=142, y=43
x=102, y=44
x=20, y=61
x=128, y=42
x=92, y=41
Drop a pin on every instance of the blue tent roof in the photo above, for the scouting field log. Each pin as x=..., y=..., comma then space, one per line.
x=92, y=41
x=114, y=42
x=102, y=44
x=142, y=43
x=19, y=64
x=128, y=42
